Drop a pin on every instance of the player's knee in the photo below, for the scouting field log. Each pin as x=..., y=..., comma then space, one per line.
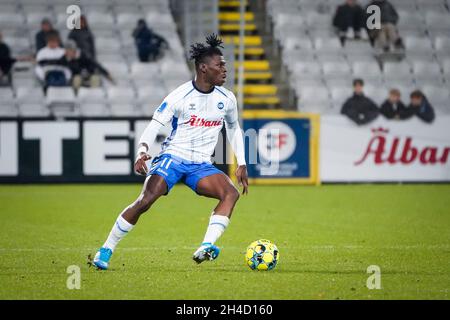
x=231, y=195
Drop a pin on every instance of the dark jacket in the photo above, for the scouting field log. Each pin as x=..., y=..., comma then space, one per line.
x=83, y=64
x=349, y=16
x=424, y=112
x=360, y=109
x=391, y=111
x=85, y=41
x=388, y=12
x=6, y=61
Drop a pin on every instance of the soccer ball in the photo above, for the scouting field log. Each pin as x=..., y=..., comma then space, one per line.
x=262, y=255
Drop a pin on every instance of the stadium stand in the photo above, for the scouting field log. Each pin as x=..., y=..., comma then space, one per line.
x=139, y=87
x=315, y=67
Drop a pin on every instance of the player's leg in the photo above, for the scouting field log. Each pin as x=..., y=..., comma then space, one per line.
x=154, y=187
x=220, y=187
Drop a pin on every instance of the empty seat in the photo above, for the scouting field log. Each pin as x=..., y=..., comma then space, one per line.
x=8, y=110
x=377, y=93
x=313, y=94
x=152, y=94
x=121, y=94
x=442, y=44
x=6, y=95
x=125, y=110
x=91, y=95
x=100, y=20
x=107, y=44
x=416, y=44
x=328, y=44
x=340, y=94
x=117, y=70
x=307, y=68
x=141, y=70
x=370, y=69
x=30, y=94
x=437, y=20
x=11, y=20
x=426, y=69
x=296, y=43
x=127, y=19
x=397, y=70
x=94, y=109
x=33, y=110
x=60, y=96
x=332, y=69
x=439, y=97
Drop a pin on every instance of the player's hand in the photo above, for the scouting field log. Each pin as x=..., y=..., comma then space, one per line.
x=242, y=178
x=139, y=165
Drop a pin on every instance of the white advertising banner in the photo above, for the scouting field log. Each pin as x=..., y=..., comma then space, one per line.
x=384, y=150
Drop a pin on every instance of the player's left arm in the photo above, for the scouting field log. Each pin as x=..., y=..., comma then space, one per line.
x=234, y=136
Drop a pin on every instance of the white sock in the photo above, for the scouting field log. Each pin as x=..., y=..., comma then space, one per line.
x=118, y=231
x=216, y=227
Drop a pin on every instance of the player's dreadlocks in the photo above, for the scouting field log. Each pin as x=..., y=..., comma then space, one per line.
x=199, y=51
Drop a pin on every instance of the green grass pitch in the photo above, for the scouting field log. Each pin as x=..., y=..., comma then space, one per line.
x=327, y=237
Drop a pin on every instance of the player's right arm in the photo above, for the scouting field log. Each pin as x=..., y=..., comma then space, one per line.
x=162, y=115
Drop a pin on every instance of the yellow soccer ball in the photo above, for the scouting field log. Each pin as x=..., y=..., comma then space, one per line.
x=262, y=255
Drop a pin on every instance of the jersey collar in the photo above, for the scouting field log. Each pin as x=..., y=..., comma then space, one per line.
x=205, y=92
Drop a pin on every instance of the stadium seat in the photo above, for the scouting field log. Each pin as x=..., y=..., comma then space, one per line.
x=33, y=110
x=438, y=20
x=27, y=94
x=442, y=44
x=377, y=93
x=296, y=43
x=426, y=69
x=141, y=70
x=125, y=110
x=336, y=70
x=99, y=20
x=416, y=44
x=151, y=94
x=446, y=66
x=127, y=20
x=340, y=94
x=57, y=96
x=6, y=95
x=439, y=97
x=363, y=69
x=8, y=8
x=8, y=110
x=397, y=70
x=120, y=94
x=307, y=68
x=327, y=44
x=105, y=45
x=11, y=20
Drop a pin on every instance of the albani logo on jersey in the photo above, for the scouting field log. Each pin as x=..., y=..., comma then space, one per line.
x=201, y=122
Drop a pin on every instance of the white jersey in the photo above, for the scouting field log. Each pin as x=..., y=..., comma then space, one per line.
x=197, y=119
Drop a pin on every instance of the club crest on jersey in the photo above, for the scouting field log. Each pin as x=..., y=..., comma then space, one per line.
x=220, y=105
x=201, y=122
x=162, y=107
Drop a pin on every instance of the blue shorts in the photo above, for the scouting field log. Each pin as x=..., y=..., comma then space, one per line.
x=174, y=169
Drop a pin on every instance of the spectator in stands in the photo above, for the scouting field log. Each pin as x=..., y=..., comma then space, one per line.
x=421, y=107
x=358, y=107
x=7, y=61
x=388, y=35
x=393, y=107
x=85, y=71
x=48, y=70
x=149, y=44
x=41, y=36
x=349, y=15
x=84, y=38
